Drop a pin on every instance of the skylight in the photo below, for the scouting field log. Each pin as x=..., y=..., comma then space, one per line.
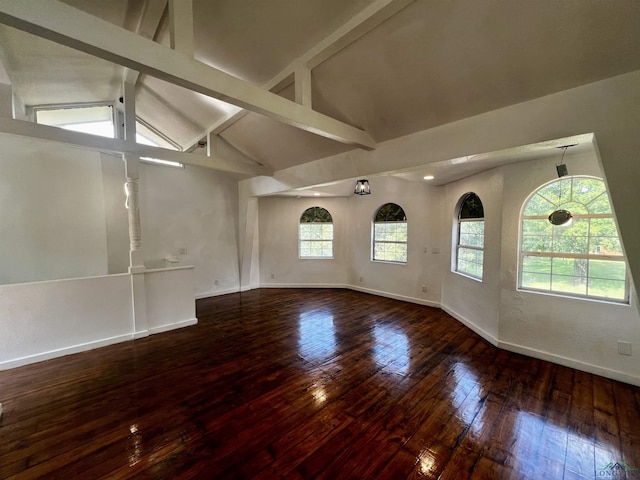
x=93, y=119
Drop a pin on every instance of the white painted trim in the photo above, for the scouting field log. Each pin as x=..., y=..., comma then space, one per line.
x=140, y=334
x=215, y=293
x=395, y=296
x=18, y=362
x=304, y=285
x=571, y=363
x=114, y=145
x=173, y=326
x=469, y=324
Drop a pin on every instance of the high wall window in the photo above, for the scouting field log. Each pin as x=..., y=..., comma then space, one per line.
x=316, y=233
x=469, y=253
x=390, y=234
x=96, y=119
x=582, y=257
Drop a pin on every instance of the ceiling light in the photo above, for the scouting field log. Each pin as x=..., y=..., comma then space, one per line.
x=316, y=194
x=560, y=217
x=362, y=187
x=429, y=177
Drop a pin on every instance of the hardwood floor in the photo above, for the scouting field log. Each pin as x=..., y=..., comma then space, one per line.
x=324, y=384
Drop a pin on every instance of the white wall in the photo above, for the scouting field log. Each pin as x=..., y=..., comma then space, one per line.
x=475, y=303
x=196, y=209
x=169, y=299
x=574, y=332
x=44, y=320
x=52, y=216
x=423, y=206
x=279, y=220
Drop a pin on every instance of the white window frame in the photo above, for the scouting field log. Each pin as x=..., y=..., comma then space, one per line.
x=553, y=254
x=468, y=247
x=302, y=240
x=457, y=232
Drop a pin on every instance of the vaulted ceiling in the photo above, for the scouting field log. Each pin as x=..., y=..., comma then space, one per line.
x=429, y=63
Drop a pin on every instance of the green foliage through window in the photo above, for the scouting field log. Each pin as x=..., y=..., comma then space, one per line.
x=583, y=258
x=390, y=234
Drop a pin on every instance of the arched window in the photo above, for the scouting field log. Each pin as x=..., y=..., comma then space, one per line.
x=582, y=256
x=316, y=233
x=390, y=234
x=470, y=242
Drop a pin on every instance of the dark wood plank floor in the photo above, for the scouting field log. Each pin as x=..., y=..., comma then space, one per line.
x=324, y=384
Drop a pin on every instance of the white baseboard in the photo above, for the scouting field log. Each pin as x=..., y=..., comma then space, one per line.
x=173, y=326
x=468, y=323
x=570, y=362
x=215, y=293
x=303, y=285
x=395, y=296
x=39, y=357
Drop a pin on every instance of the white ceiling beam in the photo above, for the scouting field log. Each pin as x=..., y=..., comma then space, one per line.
x=181, y=26
x=303, y=85
x=148, y=25
x=356, y=27
x=129, y=97
x=58, y=22
x=117, y=146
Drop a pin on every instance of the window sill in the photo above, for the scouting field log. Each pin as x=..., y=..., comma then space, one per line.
x=466, y=275
x=624, y=302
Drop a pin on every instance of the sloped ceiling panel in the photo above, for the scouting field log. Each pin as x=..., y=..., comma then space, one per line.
x=439, y=61
x=43, y=72
x=255, y=39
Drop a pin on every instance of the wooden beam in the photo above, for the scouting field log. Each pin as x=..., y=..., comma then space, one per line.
x=58, y=22
x=181, y=26
x=356, y=27
x=112, y=145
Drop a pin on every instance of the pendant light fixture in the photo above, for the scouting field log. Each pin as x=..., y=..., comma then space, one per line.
x=561, y=217
x=362, y=187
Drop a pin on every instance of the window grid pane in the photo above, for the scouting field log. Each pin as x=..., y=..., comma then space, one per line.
x=316, y=240
x=390, y=242
x=470, y=251
x=583, y=258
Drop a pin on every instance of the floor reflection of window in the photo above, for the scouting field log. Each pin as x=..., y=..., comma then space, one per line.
x=391, y=350
x=317, y=335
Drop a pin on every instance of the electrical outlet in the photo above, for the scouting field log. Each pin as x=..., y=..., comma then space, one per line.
x=216, y=283
x=424, y=250
x=624, y=348
x=361, y=279
x=424, y=289
x=435, y=250
x=273, y=275
x=182, y=251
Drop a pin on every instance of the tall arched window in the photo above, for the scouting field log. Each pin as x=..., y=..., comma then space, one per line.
x=390, y=234
x=470, y=242
x=582, y=256
x=316, y=233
